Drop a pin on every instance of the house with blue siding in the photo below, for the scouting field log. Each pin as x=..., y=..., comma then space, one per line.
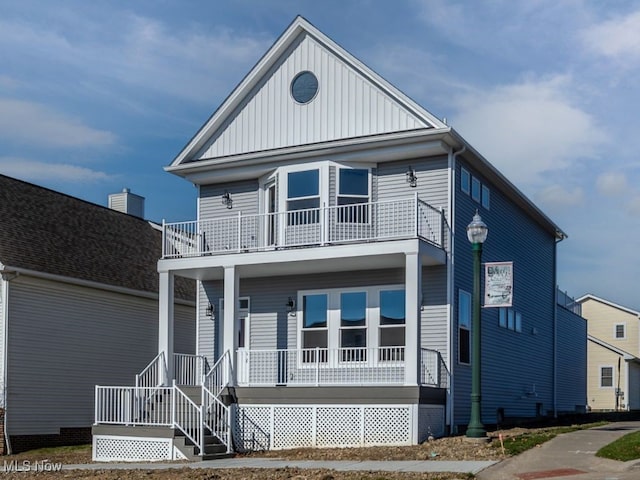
x=335, y=276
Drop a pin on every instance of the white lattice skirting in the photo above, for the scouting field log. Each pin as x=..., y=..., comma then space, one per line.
x=273, y=427
x=133, y=449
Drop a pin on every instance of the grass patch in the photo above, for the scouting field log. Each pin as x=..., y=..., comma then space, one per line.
x=67, y=454
x=624, y=449
x=521, y=443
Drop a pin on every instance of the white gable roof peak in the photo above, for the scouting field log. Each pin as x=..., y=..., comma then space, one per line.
x=350, y=101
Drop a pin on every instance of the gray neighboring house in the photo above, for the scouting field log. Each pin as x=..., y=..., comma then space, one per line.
x=78, y=307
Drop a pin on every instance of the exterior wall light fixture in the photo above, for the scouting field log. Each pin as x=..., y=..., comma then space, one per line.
x=412, y=180
x=209, y=310
x=291, y=305
x=227, y=200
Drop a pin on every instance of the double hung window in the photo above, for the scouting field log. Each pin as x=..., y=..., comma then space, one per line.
x=353, y=326
x=314, y=327
x=353, y=195
x=303, y=197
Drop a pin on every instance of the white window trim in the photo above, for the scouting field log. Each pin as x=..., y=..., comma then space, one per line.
x=484, y=188
x=615, y=328
x=465, y=188
x=247, y=323
x=613, y=377
x=353, y=167
x=475, y=180
x=372, y=323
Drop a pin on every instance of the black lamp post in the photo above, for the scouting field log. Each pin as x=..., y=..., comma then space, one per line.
x=476, y=233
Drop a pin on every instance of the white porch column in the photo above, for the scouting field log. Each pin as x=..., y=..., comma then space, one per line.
x=229, y=337
x=165, y=325
x=413, y=293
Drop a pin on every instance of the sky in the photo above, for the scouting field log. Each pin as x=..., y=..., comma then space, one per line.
x=102, y=95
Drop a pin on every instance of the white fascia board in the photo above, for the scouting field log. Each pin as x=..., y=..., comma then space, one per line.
x=514, y=193
x=626, y=355
x=376, y=149
x=590, y=296
x=305, y=260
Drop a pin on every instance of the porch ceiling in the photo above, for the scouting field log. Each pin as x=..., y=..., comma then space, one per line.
x=334, y=258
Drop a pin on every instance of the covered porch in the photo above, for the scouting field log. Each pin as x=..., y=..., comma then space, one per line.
x=401, y=363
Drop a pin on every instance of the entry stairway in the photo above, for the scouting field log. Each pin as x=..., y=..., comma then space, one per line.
x=190, y=414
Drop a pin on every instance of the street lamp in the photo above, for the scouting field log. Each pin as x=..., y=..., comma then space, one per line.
x=476, y=233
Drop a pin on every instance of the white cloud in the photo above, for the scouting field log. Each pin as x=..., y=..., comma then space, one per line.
x=612, y=184
x=31, y=123
x=558, y=196
x=134, y=51
x=36, y=171
x=617, y=38
x=529, y=128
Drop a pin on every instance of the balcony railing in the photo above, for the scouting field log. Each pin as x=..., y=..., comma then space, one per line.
x=338, y=366
x=388, y=220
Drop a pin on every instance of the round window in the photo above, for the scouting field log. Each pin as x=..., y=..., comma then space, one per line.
x=304, y=87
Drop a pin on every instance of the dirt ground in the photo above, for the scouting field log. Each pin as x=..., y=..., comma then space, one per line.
x=449, y=448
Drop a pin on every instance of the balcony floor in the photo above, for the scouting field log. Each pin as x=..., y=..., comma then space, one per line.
x=304, y=260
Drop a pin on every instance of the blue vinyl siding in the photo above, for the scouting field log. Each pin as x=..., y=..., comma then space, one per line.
x=572, y=361
x=512, y=363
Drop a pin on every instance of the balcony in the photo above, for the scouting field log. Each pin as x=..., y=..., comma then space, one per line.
x=334, y=225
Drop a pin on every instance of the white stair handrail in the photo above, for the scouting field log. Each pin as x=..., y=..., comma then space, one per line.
x=220, y=375
x=216, y=418
x=154, y=374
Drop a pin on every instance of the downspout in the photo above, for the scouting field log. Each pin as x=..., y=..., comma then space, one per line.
x=450, y=280
x=4, y=284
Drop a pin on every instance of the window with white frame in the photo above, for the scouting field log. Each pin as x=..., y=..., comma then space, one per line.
x=464, y=327
x=303, y=197
x=353, y=195
x=392, y=323
x=352, y=320
x=486, y=197
x=620, y=331
x=606, y=377
x=475, y=189
x=314, y=331
x=465, y=181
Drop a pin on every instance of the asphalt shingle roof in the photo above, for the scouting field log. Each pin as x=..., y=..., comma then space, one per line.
x=54, y=233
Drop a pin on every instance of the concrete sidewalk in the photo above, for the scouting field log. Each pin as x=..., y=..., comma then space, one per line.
x=570, y=455
x=382, y=466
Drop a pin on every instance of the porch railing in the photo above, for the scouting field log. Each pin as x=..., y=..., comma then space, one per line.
x=134, y=405
x=433, y=369
x=154, y=374
x=321, y=366
x=386, y=220
x=189, y=369
x=219, y=376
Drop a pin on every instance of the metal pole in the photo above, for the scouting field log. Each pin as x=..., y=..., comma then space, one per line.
x=476, y=429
